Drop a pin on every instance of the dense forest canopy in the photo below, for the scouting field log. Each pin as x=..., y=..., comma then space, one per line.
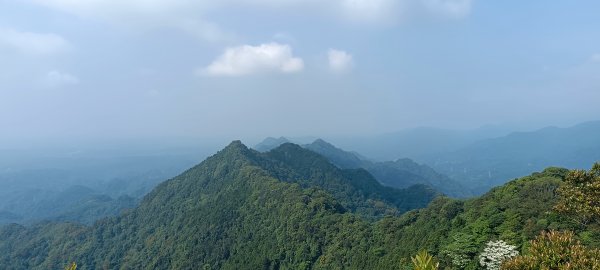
x=291, y=208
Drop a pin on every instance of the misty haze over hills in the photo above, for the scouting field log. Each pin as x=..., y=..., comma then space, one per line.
x=401, y=173
x=477, y=159
x=84, y=184
x=299, y=134
x=239, y=204
x=108, y=181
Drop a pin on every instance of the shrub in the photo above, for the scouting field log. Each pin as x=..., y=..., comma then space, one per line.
x=556, y=251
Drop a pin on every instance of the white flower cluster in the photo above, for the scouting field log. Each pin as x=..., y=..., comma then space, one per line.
x=495, y=253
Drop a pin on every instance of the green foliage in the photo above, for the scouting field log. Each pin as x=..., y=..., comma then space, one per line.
x=556, y=251
x=456, y=231
x=460, y=250
x=580, y=195
x=424, y=261
x=355, y=189
x=240, y=209
x=290, y=209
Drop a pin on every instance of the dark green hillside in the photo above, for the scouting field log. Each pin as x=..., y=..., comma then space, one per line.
x=288, y=209
x=401, y=173
x=356, y=189
x=230, y=212
x=515, y=213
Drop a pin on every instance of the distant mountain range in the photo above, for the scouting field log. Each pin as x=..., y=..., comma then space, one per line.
x=473, y=160
x=401, y=173
x=492, y=162
x=290, y=208
x=79, y=186
x=76, y=203
x=417, y=143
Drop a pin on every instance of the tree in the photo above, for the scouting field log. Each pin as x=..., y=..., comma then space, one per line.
x=424, y=261
x=556, y=251
x=461, y=251
x=580, y=195
x=495, y=253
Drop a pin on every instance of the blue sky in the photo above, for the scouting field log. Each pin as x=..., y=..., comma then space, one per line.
x=253, y=68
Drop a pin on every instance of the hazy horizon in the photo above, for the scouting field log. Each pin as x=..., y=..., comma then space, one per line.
x=150, y=144
x=151, y=70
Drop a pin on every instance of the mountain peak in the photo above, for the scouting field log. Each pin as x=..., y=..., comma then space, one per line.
x=289, y=147
x=236, y=148
x=236, y=145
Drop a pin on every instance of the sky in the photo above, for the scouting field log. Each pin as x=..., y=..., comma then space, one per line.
x=148, y=69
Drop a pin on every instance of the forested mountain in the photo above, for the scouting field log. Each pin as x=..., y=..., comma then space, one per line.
x=401, y=173
x=289, y=209
x=238, y=195
x=492, y=162
x=355, y=189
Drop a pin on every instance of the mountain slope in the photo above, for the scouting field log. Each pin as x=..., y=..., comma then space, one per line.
x=356, y=189
x=515, y=212
x=401, y=173
x=229, y=212
x=240, y=209
x=492, y=162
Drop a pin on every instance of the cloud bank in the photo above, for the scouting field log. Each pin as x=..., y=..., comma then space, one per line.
x=247, y=59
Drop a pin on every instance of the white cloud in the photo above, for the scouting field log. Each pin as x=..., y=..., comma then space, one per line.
x=340, y=61
x=32, y=43
x=246, y=59
x=595, y=57
x=57, y=78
